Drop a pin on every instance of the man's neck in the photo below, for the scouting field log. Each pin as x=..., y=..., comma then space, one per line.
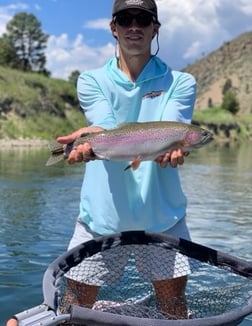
x=133, y=65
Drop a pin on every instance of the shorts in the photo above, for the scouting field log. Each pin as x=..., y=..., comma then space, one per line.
x=107, y=267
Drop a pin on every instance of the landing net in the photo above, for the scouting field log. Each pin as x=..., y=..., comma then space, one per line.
x=123, y=269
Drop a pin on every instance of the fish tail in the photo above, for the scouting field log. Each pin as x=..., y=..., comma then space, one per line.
x=57, y=153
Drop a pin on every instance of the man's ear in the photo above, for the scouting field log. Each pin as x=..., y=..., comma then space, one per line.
x=155, y=30
x=113, y=29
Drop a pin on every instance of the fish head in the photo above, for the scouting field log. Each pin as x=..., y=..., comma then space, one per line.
x=197, y=137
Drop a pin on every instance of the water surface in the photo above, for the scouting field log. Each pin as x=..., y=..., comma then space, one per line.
x=39, y=205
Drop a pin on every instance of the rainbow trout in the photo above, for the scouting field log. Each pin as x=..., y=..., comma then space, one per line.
x=136, y=141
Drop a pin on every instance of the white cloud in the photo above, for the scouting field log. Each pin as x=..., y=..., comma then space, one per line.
x=37, y=7
x=190, y=29
x=3, y=18
x=193, y=50
x=64, y=56
x=246, y=7
x=101, y=24
x=17, y=6
x=7, y=12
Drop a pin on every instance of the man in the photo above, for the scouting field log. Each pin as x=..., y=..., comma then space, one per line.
x=133, y=86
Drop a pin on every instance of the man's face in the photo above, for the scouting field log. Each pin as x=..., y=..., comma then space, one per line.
x=134, y=30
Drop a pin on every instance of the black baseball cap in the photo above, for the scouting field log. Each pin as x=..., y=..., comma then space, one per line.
x=146, y=5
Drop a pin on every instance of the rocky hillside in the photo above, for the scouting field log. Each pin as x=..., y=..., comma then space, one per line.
x=233, y=60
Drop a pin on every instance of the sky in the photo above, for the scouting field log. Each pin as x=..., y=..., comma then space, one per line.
x=80, y=38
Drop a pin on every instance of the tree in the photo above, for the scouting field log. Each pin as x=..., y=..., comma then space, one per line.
x=230, y=102
x=210, y=102
x=8, y=56
x=25, y=35
x=227, y=86
x=74, y=77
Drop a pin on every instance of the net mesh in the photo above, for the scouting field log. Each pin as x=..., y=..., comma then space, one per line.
x=138, y=280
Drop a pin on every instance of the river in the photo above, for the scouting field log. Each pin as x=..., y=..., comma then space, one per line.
x=39, y=205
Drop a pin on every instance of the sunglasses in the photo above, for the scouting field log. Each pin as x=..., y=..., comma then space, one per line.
x=143, y=19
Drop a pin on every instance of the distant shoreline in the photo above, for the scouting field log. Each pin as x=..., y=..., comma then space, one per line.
x=22, y=143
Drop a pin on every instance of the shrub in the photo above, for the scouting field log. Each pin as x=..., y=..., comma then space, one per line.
x=230, y=102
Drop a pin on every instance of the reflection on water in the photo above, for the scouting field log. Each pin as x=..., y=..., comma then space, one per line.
x=38, y=208
x=39, y=205
x=220, y=198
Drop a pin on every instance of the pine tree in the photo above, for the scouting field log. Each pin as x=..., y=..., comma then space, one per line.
x=8, y=56
x=25, y=36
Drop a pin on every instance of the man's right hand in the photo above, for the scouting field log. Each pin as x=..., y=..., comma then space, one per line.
x=82, y=152
x=12, y=322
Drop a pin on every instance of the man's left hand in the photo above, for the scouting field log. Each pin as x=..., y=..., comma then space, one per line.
x=175, y=157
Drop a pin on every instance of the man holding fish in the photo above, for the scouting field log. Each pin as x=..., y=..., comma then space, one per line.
x=134, y=86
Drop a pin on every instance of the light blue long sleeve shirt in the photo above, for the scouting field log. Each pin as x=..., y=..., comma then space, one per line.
x=149, y=198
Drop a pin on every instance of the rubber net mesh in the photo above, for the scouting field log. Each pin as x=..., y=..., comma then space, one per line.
x=129, y=280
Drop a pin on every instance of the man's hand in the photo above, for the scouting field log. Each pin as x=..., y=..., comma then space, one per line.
x=12, y=322
x=82, y=152
x=175, y=157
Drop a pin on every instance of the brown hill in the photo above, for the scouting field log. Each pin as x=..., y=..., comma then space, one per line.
x=233, y=60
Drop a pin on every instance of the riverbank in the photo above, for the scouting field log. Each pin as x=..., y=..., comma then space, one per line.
x=224, y=132
x=20, y=143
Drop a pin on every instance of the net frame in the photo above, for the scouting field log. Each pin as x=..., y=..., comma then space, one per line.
x=86, y=316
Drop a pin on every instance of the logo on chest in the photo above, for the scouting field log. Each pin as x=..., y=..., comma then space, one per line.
x=153, y=94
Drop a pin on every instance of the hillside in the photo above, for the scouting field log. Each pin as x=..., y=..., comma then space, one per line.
x=233, y=60
x=35, y=106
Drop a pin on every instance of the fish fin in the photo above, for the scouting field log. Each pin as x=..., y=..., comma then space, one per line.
x=185, y=143
x=55, y=147
x=127, y=167
x=134, y=164
x=57, y=152
x=55, y=158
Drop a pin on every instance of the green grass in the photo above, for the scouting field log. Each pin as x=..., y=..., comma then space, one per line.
x=213, y=115
x=33, y=92
x=43, y=108
x=36, y=106
x=42, y=126
x=219, y=116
